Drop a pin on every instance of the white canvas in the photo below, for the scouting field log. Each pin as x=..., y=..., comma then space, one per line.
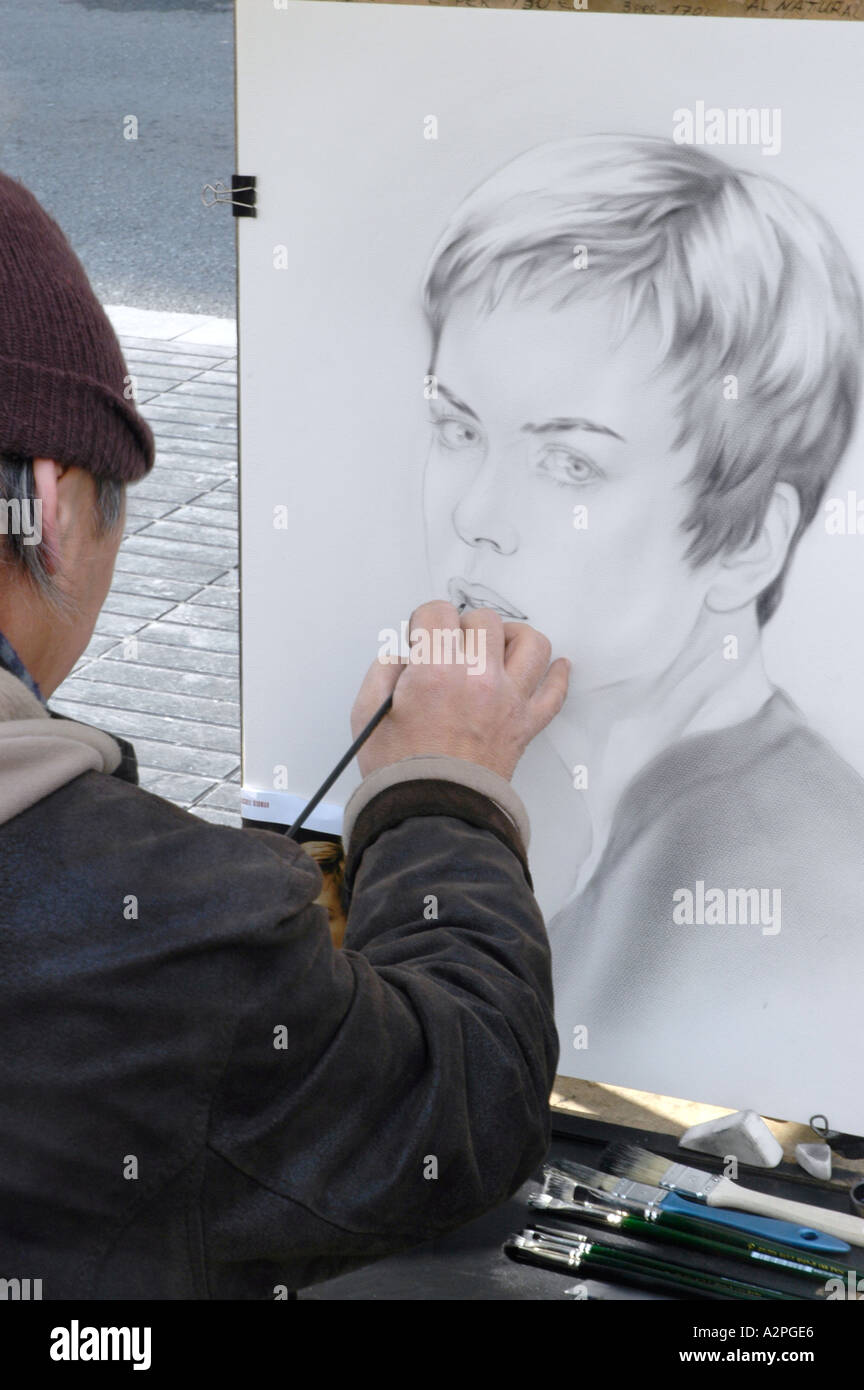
x=353, y=196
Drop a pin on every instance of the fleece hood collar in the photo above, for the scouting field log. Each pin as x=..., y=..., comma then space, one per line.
x=39, y=754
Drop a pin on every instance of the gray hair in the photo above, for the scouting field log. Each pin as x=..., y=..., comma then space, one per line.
x=18, y=488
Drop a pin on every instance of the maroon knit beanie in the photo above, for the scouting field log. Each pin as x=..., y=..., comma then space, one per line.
x=62, y=372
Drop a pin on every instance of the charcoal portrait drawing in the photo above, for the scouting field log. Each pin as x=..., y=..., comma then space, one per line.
x=644, y=371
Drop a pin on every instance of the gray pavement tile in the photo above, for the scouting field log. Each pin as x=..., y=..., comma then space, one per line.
x=164, y=485
x=135, y=562
x=195, y=437
x=201, y=409
x=143, y=368
x=177, y=757
x=173, y=786
x=195, y=389
x=131, y=723
x=135, y=604
x=97, y=645
x=152, y=507
x=208, y=639
x=151, y=542
x=117, y=624
x=218, y=501
x=133, y=673
x=226, y=797
x=225, y=518
x=205, y=616
x=177, y=658
x=188, y=708
x=215, y=817
x=213, y=597
x=171, y=357
x=182, y=529
x=182, y=413
x=220, y=376
x=170, y=345
x=153, y=382
x=175, y=589
x=229, y=580
x=172, y=445
x=214, y=471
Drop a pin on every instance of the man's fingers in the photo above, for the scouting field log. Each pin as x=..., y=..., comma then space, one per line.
x=550, y=695
x=526, y=656
x=488, y=621
x=381, y=678
x=436, y=613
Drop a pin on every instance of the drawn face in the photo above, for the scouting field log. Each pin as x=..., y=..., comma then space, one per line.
x=537, y=414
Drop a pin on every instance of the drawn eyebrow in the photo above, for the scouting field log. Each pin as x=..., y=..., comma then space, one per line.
x=455, y=401
x=574, y=422
x=556, y=426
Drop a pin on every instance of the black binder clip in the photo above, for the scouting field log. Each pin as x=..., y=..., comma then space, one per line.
x=242, y=195
x=846, y=1145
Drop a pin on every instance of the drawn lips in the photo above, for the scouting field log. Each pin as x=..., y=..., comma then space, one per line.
x=464, y=595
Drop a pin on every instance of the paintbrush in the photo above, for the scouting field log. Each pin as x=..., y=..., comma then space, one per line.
x=649, y=1199
x=607, y=1261
x=632, y=1226
x=701, y=1236
x=640, y=1165
x=340, y=767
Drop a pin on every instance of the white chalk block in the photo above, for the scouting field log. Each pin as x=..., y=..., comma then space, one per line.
x=814, y=1159
x=744, y=1136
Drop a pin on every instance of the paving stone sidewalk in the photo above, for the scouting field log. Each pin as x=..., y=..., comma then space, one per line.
x=162, y=668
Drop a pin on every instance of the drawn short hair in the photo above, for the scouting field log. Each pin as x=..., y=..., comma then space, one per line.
x=746, y=280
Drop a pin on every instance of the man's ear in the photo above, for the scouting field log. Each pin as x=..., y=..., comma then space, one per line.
x=743, y=574
x=46, y=475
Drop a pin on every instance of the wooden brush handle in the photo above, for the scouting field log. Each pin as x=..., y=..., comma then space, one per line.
x=834, y=1223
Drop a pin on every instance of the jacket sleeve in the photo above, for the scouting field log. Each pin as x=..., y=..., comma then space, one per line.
x=388, y=1092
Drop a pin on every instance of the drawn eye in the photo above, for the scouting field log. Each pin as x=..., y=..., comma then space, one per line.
x=452, y=433
x=566, y=468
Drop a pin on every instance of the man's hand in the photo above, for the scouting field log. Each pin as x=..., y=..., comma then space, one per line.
x=488, y=717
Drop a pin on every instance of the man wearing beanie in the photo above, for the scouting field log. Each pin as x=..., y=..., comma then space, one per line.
x=200, y=1098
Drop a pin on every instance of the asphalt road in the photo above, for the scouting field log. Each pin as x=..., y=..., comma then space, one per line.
x=71, y=74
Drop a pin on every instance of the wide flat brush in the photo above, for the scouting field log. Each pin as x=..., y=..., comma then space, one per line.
x=640, y=1165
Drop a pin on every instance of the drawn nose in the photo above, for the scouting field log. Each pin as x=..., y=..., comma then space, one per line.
x=476, y=527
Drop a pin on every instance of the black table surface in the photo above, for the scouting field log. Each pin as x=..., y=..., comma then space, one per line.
x=469, y=1264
